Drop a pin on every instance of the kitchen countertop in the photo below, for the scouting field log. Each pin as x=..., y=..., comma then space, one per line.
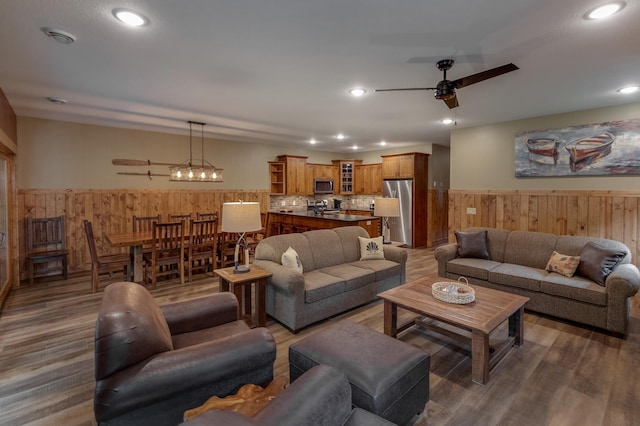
x=326, y=216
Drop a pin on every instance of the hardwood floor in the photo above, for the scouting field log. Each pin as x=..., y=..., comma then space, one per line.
x=565, y=374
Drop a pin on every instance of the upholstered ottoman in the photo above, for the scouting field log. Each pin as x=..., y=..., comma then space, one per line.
x=388, y=377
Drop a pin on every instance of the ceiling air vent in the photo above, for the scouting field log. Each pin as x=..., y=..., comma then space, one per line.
x=59, y=35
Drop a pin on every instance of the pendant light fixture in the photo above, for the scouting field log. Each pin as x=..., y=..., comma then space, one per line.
x=188, y=171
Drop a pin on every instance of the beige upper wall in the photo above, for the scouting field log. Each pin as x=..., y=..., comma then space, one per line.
x=56, y=154
x=482, y=158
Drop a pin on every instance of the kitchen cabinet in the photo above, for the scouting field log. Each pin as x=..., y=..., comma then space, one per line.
x=346, y=179
x=277, y=176
x=325, y=171
x=368, y=179
x=295, y=176
x=399, y=166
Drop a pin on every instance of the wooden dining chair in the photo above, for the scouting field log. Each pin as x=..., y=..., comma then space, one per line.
x=227, y=249
x=203, y=245
x=107, y=264
x=144, y=223
x=46, y=245
x=167, y=252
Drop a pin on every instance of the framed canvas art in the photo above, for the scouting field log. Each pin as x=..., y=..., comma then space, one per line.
x=609, y=148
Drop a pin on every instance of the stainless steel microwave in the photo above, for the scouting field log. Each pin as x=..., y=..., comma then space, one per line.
x=322, y=186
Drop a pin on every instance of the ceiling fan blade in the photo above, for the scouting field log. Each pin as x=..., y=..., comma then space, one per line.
x=452, y=102
x=395, y=90
x=484, y=75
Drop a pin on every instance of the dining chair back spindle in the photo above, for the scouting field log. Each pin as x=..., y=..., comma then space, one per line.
x=46, y=246
x=107, y=264
x=207, y=216
x=167, y=252
x=186, y=218
x=203, y=244
x=144, y=223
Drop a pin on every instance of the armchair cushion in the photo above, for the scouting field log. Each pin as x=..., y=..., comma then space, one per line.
x=130, y=329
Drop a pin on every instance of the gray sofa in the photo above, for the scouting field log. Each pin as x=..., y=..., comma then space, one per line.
x=516, y=264
x=334, y=279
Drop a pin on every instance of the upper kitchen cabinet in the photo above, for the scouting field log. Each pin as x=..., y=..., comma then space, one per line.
x=323, y=171
x=368, y=179
x=295, y=174
x=404, y=166
x=346, y=181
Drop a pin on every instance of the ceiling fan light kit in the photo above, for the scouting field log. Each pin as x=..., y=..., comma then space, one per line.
x=445, y=90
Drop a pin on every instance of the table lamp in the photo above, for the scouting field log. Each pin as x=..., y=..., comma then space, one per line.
x=386, y=208
x=241, y=218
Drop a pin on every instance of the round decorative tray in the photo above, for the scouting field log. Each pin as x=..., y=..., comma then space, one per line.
x=451, y=292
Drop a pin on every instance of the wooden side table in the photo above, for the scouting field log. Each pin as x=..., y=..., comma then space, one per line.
x=239, y=282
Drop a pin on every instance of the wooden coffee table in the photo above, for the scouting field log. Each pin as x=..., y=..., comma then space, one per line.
x=480, y=317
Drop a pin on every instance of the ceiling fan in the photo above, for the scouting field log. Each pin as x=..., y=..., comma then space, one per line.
x=446, y=90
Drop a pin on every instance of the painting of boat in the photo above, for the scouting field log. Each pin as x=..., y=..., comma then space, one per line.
x=543, y=146
x=587, y=150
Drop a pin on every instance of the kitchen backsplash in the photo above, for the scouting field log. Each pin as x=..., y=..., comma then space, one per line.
x=299, y=202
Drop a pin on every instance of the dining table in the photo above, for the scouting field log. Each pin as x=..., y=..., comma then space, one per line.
x=135, y=241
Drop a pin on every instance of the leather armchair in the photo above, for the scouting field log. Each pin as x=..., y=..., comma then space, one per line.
x=320, y=397
x=152, y=363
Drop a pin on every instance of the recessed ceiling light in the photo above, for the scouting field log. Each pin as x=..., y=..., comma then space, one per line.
x=355, y=147
x=340, y=136
x=605, y=10
x=131, y=18
x=383, y=143
x=629, y=89
x=312, y=141
x=57, y=101
x=447, y=121
x=358, y=91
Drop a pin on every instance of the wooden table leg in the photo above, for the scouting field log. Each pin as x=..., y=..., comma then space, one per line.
x=261, y=302
x=516, y=326
x=223, y=284
x=479, y=357
x=137, y=266
x=247, y=301
x=390, y=319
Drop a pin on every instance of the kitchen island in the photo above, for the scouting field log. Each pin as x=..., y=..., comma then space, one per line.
x=300, y=221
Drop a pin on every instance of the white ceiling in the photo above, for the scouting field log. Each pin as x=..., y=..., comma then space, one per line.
x=278, y=71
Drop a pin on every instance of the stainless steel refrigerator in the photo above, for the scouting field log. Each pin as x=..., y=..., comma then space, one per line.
x=401, y=227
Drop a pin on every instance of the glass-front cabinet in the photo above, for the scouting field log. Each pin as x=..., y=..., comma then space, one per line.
x=347, y=180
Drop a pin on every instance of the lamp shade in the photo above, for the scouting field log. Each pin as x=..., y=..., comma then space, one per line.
x=241, y=217
x=386, y=207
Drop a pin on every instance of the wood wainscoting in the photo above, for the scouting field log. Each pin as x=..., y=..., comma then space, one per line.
x=438, y=208
x=603, y=214
x=111, y=210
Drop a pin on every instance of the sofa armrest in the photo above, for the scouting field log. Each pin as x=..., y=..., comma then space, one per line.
x=169, y=374
x=443, y=254
x=286, y=279
x=201, y=313
x=624, y=279
x=395, y=254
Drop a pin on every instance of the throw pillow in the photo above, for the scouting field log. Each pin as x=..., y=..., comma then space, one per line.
x=597, y=262
x=472, y=244
x=291, y=260
x=371, y=248
x=563, y=264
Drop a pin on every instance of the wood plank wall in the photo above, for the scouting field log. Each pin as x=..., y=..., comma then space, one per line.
x=112, y=210
x=604, y=214
x=438, y=217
